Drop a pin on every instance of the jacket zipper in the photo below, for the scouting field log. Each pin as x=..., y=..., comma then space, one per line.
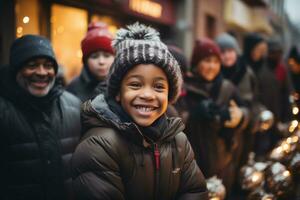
x=156, y=153
x=157, y=168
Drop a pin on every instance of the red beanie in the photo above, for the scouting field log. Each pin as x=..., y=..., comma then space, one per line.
x=97, y=38
x=204, y=48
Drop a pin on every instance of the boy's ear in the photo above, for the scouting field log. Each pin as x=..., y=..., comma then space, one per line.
x=118, y=97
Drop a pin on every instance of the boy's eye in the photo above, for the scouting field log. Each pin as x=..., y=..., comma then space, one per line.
x=94, y=55
x=160, y=87
x=135, y=85
x=106, y=55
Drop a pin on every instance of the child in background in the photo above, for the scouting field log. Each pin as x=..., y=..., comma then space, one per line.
x=98, y=55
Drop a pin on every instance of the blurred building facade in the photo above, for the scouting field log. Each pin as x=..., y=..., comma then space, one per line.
x=65, y=22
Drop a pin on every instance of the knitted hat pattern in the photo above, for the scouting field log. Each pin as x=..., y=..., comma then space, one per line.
x=204, y=48
x=97, y=38
x=141, y=44
x=29, y=47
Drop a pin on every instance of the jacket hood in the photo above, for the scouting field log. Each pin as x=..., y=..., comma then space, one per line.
x=97, y=113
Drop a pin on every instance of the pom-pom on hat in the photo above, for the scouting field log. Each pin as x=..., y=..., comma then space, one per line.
x=204, y=48
x=97, y=38
x=140, y=44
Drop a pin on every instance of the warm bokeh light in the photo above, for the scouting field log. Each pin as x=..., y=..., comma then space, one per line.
x=27, y=17
x=26, y=20
x=113, y=25
x=295, y=110
x=68, y=27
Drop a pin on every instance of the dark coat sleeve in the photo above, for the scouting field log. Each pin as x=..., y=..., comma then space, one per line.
x=95, y=171
x=193, y=184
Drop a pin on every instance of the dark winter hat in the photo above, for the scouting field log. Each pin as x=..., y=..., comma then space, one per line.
x=226, y=41
x=30, y=46
x=97, y=38
x=294, y=53
x=140, y=44
x=204, y=48
x=250, y=41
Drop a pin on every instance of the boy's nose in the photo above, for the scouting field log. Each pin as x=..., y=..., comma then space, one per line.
x=101, y=60
x=147, y=93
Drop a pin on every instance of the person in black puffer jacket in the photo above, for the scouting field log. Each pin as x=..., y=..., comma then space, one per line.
x=131, y=150
x=39, y=123
x=98, y=56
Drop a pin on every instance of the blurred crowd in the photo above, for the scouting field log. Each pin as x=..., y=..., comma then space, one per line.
x=236, y=101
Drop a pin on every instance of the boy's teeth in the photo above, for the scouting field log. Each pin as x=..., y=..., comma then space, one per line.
x=144, y=109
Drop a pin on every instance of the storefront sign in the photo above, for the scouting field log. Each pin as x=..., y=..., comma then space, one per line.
x=239, y=15
x=146, y=7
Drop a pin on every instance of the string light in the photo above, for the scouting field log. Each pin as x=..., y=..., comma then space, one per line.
x=295, y=110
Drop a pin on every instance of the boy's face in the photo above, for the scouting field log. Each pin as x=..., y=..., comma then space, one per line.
x=37, y=76
x=229, y=57
x=144, y=93
x=99, y=63
x=209, y=68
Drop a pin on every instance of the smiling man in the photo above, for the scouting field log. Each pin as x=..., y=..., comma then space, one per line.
x=37, y=76
x=39, y=124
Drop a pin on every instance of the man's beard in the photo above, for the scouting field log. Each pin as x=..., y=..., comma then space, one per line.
x=25, y=83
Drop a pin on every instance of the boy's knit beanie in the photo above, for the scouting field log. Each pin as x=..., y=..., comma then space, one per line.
x=140, y=44
x=97, y=38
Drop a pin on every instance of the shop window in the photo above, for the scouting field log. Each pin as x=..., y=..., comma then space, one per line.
x=113, y=25
x=27, y=22
x=68, y=27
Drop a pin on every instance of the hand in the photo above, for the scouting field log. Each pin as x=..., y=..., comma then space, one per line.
x=236, y=115
x=206, y=110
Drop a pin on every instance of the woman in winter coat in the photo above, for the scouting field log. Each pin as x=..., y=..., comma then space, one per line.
x=131, y=150
x=269, y=94
x=216, y=117
x=246, y=82
x=98, y=56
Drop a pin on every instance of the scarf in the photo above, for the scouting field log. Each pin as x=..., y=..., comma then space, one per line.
x=151, y=133
x=236, y=72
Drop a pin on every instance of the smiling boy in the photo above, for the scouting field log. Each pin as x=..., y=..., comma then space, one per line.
x=131, y=150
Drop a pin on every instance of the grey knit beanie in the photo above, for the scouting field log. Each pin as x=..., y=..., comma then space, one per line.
x=226, y=41
x=139, y=44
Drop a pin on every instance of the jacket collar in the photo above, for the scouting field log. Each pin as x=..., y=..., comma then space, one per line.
x=97, y=113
